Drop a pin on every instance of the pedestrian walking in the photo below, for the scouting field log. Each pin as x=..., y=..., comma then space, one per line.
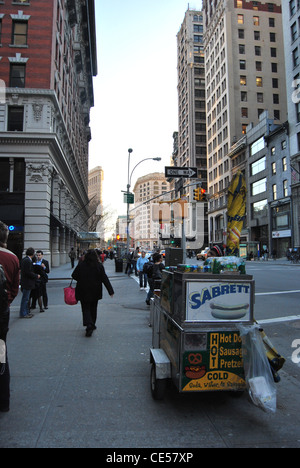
x=136, y=255
x=129, y=257
x=154, y=276
x=11, y=269
x=140, y=266
x=90, y=275
x=72, y=256
x=28, y=278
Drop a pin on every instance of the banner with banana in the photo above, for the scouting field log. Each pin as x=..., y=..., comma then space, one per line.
x=236, y=212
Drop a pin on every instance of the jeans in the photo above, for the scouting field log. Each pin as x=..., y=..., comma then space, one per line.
x=143, y=276
x=24, y=308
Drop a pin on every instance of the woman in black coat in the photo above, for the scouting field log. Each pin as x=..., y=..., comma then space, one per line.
x=90, y=275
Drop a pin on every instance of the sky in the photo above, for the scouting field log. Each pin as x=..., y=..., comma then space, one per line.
x=135, y=91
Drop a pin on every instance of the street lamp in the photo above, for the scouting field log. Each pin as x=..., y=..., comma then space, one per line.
x=128, y=188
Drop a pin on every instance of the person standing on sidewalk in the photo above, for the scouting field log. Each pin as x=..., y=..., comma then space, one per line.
x=72, y=256
x=28, y=278
x=154, y=278
x=11, y=267
x=139, y=266
x=90, y=275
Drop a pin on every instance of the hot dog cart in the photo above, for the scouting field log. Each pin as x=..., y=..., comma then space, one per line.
x=195, y=339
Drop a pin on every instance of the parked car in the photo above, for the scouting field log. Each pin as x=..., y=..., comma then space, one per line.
x=203, y=254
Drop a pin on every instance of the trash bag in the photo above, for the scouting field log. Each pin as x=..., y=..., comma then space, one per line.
x=258, y=374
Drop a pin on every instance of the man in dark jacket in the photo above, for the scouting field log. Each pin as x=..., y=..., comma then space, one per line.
x=11, y=267
x=45, y=269
x=28, y=278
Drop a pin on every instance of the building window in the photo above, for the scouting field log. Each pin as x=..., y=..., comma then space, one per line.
x=17, y=76
x=294, y=32
x=243, y=80
x=259, y=187
x=272, y=37
x=244, y=112
x=257, y=35
x=244, y=96
x=241, y=34
x=277, y=114
x=259, y=81
x=285, y=188
x=241, y=49
x=257, y=51
x=15, y=119
x=273, y=168
x=242, y=64
x=258, y=66
x=275, y=98
x=257, y=146
x=274, y=191
x=240, y=19
x=292, y=7
x=19, y=33
x=260, y=97
x=258, y=166
x=256, y=20
x=284, y=164
x=259, y=209
x=273, y=52
x=274, y=67
x=295, y=55
x=272, y=22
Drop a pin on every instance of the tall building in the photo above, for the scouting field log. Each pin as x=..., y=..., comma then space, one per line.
x=47, y=64
x=191, y=144
x=245, y=75
x=146, y=229
x=291, y=20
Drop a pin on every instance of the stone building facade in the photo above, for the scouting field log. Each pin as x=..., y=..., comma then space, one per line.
x=47, y=63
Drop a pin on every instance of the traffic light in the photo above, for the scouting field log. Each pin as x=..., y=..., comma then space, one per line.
x=203, y=194
x=196, y=194
x=118, y=237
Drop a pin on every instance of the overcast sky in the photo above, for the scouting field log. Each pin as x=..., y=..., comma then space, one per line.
x=136, y=103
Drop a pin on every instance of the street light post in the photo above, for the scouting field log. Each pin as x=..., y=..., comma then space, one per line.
x=128, y=188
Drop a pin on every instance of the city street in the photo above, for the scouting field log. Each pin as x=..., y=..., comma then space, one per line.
x=72, y=391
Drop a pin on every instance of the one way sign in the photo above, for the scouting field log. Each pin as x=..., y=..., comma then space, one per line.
x=187, y=172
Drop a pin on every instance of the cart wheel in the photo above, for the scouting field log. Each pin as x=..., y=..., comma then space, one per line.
x=158, y=386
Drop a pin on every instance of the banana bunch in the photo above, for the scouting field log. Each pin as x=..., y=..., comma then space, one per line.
x=236, y=211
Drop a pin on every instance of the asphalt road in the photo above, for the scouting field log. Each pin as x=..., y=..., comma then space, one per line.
x=71, y=391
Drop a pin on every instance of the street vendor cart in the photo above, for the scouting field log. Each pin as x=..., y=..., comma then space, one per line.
x=195, y=337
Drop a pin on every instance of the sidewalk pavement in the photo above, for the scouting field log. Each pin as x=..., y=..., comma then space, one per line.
x=65, y=271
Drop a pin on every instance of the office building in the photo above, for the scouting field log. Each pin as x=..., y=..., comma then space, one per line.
x=145, y=229
x=191, y=140
x=245, y=75
x=291, y=20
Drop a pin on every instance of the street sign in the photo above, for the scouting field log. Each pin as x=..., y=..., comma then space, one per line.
x=129, y=198
x=187, y=172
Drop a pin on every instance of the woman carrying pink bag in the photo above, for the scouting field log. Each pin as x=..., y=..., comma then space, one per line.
x=90, y=275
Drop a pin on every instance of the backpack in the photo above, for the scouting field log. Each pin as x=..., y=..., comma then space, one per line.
x=148, y=269
x=3, y=292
